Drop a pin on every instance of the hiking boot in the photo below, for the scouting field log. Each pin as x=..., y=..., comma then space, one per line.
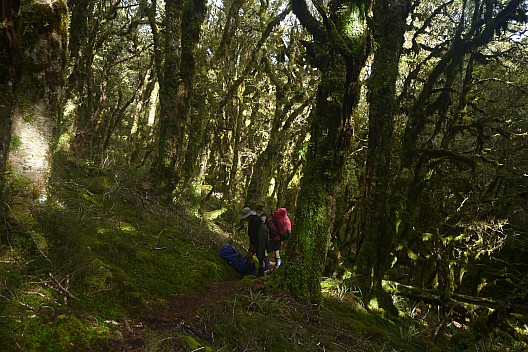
x=261, y=271
x=267, y=263
x=277, y=262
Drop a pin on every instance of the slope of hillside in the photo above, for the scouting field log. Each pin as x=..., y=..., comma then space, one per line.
x=103, y=266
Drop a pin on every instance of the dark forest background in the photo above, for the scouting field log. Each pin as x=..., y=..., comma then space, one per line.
x=393, y=131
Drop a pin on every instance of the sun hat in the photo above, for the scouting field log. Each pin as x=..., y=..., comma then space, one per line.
x=247, y=212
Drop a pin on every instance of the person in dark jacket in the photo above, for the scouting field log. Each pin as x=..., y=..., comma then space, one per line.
x=258, y=238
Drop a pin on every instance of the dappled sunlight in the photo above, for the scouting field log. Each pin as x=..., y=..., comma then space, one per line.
x=394, y=133
x=30, y=156
x=128, y=228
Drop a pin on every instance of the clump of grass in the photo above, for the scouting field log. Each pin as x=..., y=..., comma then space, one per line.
x=476, y=341
x=340, y=290
x=271, y=320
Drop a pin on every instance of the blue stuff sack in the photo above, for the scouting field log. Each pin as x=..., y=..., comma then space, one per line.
x=237, y=260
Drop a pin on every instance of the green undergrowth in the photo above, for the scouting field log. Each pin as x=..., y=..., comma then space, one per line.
x=269, y=320
x=81, y=271
x=97, y=253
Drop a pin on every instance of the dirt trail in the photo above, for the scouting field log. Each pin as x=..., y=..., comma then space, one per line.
x=184, y=307
x=178, y=315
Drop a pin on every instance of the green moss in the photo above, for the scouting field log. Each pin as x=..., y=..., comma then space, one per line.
x=37, y=19
x=28, y=118
x=16, y=142
x=193, y=344
x=40, y=21
x=40, y=241
x=62, y=333
x=246, y=327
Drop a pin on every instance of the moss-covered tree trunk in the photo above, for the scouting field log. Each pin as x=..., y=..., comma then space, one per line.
x=376, y=220
x=80, y=83
x=194, y=166
x=168, y=142
x=9, y=73
x=308, y=247
x=193, y=18
x=183, y=27
x=43, y=37
x=345, y=45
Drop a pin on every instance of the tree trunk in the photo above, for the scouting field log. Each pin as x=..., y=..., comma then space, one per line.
x=184, y=21
x=259, y=185
x=195, y=163
x=9, y=74
x=344, y=56
x=237, y=131
x=43, y=33
x=314, y=215
x=376, y=219
x=168, y=130
x=80, y=86
x=287, y=197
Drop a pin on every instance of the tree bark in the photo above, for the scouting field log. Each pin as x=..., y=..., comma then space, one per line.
x=376, y=220
x=43, y=33
x=184, y=20
x=9, y=74
x=168, y=129
x=194, y=14
x=80, y=86
x=343, y=54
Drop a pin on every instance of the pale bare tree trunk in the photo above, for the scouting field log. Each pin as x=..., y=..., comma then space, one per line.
x=43, y=39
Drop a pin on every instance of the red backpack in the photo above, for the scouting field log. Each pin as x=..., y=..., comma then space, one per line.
x=279, y=225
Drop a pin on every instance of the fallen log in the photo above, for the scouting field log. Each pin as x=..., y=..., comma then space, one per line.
x=433, y=296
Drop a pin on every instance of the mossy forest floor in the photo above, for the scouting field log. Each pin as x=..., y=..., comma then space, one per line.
x=103, y=266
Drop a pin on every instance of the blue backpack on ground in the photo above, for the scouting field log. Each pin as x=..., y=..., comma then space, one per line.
x=237, y=260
